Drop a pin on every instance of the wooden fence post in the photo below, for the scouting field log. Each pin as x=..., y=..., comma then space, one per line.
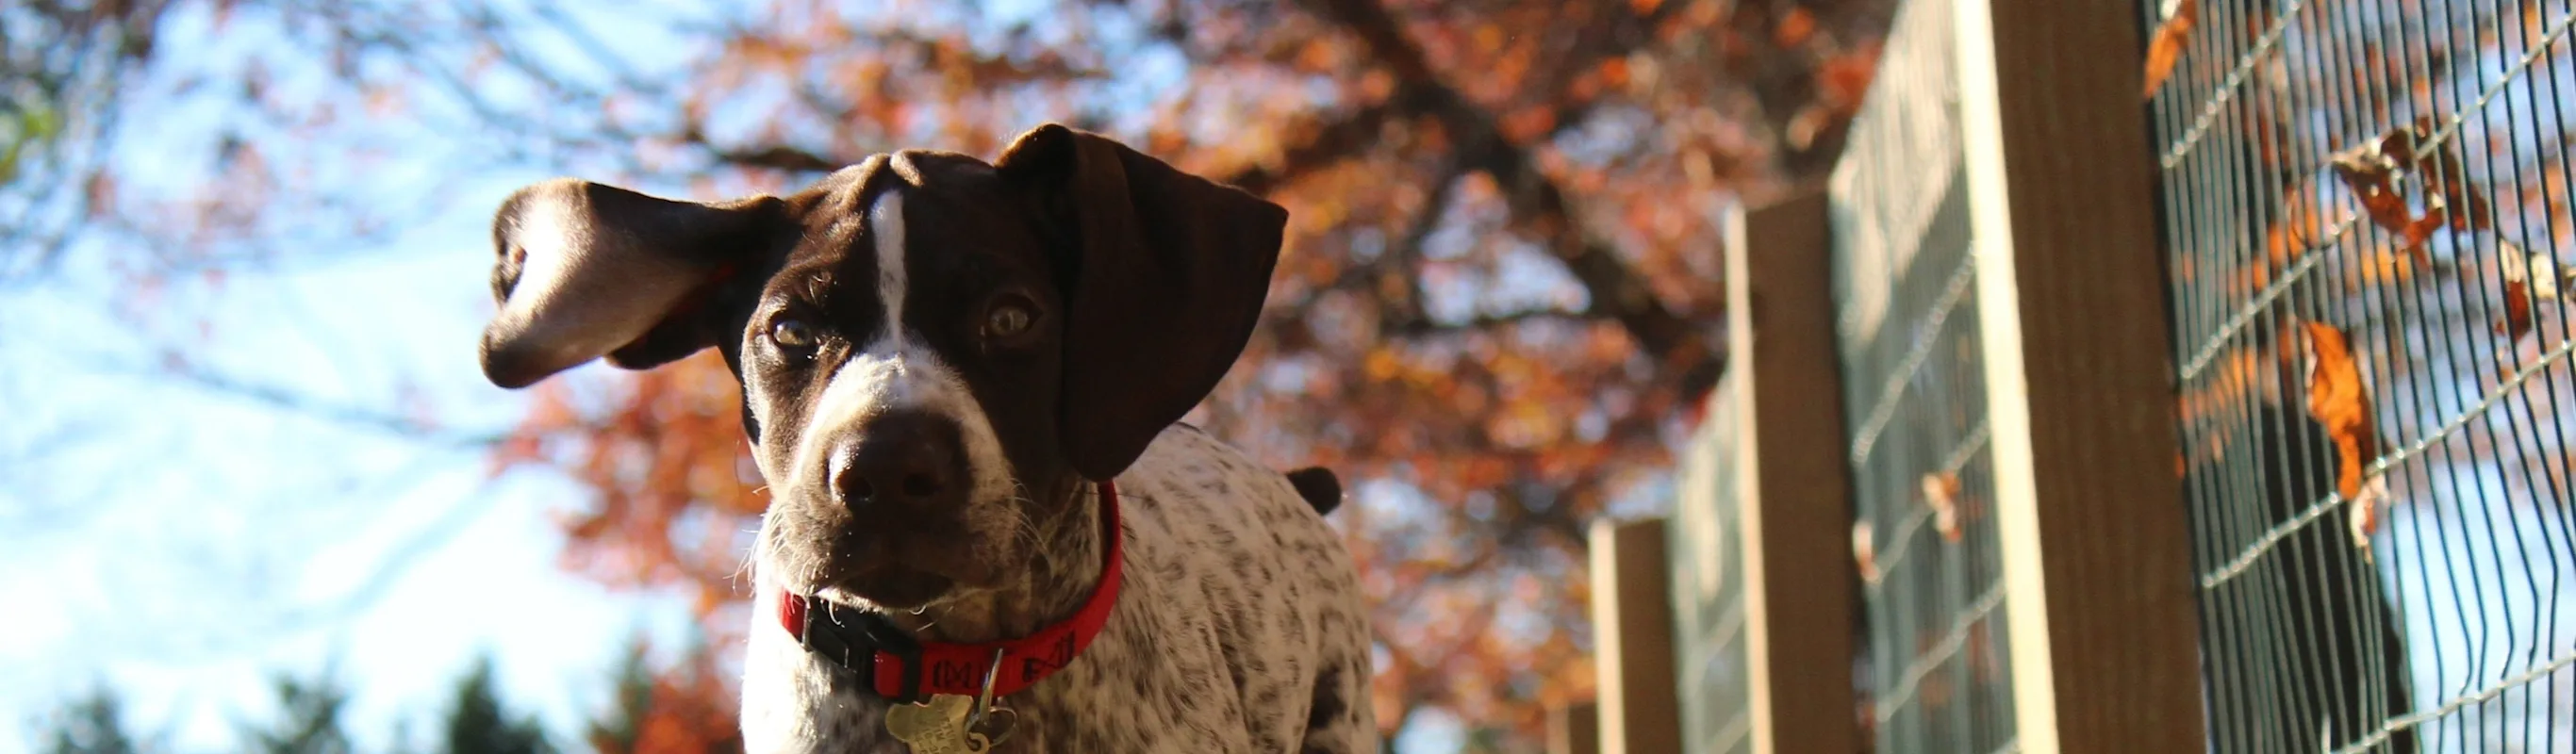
x=2096, y=559
x=1632, y=621
x=1574, y=729
x=1794, y=482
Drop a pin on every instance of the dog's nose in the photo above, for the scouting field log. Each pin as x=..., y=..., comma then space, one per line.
x=903, y=458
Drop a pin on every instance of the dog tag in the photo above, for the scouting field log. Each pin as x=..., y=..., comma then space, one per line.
x=936, y=728
x=995, y=725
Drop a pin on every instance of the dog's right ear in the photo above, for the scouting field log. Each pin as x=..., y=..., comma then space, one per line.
x=1169, y=271
x=588, y=270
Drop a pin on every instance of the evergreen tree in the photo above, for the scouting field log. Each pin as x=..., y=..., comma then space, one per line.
x=94, y=724
x=479, y=723
x=623, y=725
x=308, y=719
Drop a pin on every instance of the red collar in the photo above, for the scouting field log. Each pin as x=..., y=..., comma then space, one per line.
x=904, y=669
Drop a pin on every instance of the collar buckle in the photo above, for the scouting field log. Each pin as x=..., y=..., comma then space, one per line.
x=871, y=639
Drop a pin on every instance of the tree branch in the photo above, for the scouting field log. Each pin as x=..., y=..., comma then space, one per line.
x=1425, y=327
x=386, y=422
x=1536, y=201
x=1329, y=143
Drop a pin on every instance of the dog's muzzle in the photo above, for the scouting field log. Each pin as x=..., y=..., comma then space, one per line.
x=898, y=463
x=900, y=667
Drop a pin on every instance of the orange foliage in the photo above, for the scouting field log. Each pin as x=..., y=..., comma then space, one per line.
x=2166, y=48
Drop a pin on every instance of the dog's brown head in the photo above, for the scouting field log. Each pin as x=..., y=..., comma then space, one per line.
x=932, y=349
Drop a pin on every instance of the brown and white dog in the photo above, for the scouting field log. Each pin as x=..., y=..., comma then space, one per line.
x=946, y=365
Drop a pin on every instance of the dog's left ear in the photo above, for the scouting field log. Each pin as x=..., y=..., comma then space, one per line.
x=588, y=270
x=1169, y=275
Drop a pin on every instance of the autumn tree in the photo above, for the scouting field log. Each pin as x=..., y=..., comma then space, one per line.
x=1496, y=310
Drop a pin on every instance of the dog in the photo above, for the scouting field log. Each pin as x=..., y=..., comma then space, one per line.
x=964, y=381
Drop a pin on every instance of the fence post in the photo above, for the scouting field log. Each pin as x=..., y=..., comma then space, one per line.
x=1794, y=479
x=1632, y=621
x=1574, y=728
x=2087, y=494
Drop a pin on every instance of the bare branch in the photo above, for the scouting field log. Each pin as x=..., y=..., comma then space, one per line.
x=356, y=416
x=1325, y=145
x=1536, y=200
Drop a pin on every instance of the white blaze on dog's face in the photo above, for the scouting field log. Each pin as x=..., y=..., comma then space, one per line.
x=934, y=350
x=870, y=368
x=894, y=487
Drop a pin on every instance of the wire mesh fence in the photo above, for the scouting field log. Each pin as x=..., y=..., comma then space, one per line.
x=1932, y=591
x=1707, y=546
x=2366, y=217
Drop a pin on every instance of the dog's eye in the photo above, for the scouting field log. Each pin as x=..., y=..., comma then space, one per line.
x=792, y=334
x=1007, y=319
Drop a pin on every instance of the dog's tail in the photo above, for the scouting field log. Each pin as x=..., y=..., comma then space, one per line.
x=1318, y=486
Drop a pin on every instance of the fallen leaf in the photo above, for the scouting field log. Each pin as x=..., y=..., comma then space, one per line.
x=2339, y=401
x=2372, y=171
x=2166, y=48
x=2545, y=276
x=1941, y=492
x=2361, y=515
x=2376, y=170
x=2445, y=176
x=2517, y=273
x=1864, y=554
x=2517, y=310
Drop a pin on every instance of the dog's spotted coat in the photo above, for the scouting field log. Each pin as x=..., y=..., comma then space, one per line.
x=1239, y=630
x=939, y=356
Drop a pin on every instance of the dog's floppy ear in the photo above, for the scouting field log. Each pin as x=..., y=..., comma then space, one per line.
x=588, y=270
x=1166, y=283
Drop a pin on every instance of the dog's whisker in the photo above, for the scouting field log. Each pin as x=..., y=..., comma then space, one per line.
x=751, y=555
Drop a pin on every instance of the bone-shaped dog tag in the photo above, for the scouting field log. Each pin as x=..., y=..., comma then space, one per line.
x=938, y=727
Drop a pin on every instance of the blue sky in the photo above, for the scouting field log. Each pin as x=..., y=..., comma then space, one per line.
x=182, y=544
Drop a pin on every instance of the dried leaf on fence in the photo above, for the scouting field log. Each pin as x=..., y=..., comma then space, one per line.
x=2340, y=403
x=2445, y=177
x=1941, y=492
x=2361, y=515
x=2537, y=271
x=2165, y=50
x=1864, y=552
x=2373, y=171
x=2376, y=169
x=2518, y=273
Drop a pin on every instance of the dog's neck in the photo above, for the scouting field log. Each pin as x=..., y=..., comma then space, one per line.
x=1063, y=568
